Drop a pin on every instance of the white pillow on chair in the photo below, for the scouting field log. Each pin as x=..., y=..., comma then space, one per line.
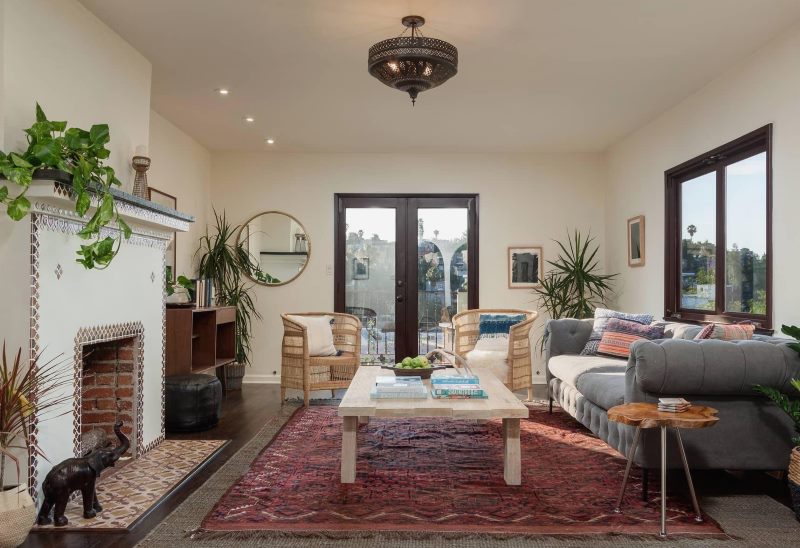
x=319, y=334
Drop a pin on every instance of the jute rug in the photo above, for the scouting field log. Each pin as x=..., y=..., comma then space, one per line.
x=128, y=493
x=748, y=520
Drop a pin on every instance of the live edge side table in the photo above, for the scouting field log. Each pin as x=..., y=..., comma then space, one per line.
x=647, y=415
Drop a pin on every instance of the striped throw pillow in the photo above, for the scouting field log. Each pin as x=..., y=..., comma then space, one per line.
x=601, y=319
x=727, y=332
x=619, y=335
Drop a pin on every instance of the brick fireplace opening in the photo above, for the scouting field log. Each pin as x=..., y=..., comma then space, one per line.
x=108, y=388
x=109, y=383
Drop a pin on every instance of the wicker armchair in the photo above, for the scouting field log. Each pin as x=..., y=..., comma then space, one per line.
x=466, y=325
x=308, y=373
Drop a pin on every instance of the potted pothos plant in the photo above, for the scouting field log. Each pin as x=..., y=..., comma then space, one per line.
x=225, y=261
x=791, y=406
x=54, y=149
x=18, y=382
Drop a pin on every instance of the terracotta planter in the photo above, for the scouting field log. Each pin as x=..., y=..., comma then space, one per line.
x=17, y=515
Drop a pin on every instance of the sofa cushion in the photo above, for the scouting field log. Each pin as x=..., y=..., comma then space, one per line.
x=619, y=335
x=601, y=379
x=605, y=389
x=569, y=368
x=727, y=332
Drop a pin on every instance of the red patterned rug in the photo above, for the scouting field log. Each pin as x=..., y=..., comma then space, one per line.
x=433, y=475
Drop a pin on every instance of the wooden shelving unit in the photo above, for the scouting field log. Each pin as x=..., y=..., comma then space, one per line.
x=200, y=340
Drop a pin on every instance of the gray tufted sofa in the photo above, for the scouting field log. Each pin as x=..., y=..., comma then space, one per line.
x=752, y=434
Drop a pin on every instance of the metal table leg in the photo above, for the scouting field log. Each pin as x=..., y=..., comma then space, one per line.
x=631, y=455
x=698, y=515
x=663, y=481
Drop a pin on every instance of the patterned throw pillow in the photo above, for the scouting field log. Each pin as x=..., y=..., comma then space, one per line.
x=727, y=332
x=497, y=326
x=601, y=319
x=620, y=334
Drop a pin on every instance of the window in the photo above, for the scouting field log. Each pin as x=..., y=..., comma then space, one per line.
x=719, y=234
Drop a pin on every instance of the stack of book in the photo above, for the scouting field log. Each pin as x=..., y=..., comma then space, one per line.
x=673, y=405
x=206, y=292
x=398, y=388
x=457, y=387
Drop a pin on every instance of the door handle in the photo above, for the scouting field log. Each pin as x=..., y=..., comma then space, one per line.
x=399, y=298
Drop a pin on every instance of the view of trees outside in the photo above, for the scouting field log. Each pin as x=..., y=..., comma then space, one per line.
x=370, y=291
x=745, y=253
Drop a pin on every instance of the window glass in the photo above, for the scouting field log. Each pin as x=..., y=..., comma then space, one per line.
x=746, y=235
x=699, y=242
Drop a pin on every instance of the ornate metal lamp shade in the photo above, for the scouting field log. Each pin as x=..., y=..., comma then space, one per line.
x=413, y=63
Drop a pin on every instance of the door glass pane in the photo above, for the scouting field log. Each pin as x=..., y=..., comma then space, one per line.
x=698, y=242
x=370, y=278
x=746, y=235
x=441, y=272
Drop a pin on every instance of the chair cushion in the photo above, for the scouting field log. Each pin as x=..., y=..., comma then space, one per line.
x=601, y=379
x=319, y=334
x=494, y=361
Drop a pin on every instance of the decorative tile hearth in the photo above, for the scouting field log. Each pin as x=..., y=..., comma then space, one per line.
x=128, y=493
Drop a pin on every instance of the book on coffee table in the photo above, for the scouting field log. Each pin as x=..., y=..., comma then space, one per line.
x=673, y=405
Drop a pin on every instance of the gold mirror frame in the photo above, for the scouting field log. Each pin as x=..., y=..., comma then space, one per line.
x=308, y=240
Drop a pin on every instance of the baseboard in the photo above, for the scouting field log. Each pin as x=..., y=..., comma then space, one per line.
x=261, y=379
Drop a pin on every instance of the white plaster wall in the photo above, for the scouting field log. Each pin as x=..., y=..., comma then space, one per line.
x=79, y=70
x=764, y=88
x=181, y=167
x=525, y=199
x=82, y=298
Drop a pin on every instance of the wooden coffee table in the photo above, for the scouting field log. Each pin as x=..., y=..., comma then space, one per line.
x=357, y=407
x=647, y=415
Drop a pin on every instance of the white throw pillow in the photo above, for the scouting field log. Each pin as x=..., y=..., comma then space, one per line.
x=319, y=333
x=493, y=361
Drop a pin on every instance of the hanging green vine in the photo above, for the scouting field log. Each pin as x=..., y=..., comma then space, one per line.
x=51, y=145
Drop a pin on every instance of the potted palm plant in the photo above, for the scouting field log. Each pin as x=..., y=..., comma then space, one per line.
x=225, y=261
x=18, y=382
x=791, y=406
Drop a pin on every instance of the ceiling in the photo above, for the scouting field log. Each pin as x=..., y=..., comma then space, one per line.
x=534, y=75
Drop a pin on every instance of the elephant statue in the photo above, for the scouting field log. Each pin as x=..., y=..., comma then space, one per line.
x=75, y=474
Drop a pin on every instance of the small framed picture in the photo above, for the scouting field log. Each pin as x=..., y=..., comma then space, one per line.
x=525, y=267
x=636, y=241
x=170, y=201
x=360, y=268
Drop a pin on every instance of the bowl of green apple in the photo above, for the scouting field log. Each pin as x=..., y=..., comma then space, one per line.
x=414, y=367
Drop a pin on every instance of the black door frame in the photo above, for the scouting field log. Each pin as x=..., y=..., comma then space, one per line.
x=406, y=205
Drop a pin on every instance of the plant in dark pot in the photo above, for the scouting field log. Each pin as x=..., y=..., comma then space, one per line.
x=791, y=406
x=76, y=156
x=18, y=382
x=224, y=261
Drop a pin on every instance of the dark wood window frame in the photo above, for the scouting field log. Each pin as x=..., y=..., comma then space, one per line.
x=716, y=160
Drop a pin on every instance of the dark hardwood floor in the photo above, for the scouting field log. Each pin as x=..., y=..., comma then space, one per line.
x=243, y=415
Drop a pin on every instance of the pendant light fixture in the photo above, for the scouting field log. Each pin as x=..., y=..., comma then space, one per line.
x=415, y=63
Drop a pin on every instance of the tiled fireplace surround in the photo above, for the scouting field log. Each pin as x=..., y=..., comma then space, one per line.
x=105, y=328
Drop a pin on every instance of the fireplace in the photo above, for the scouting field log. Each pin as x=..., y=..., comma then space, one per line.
x=110, y=385
x=105, y=328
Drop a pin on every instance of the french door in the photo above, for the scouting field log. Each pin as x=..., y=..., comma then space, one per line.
x=405, y=264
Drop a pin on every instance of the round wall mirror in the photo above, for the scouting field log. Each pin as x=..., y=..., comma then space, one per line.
x=278, y=246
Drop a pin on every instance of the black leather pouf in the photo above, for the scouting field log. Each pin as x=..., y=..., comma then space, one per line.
x=193, y=402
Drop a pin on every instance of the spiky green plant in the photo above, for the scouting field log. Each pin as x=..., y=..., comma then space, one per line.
x=18, y=384
x=225, y=261
x=574, y=286
x=790, y=406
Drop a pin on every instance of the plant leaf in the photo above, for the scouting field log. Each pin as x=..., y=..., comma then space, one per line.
x=40, y=116
x=3, y=193
x=19, y=161
x=126, y=230
x=18, y=207
x=82, y=203
x=99, y=135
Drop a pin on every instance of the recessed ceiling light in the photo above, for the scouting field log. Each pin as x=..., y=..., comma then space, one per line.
x=249, y=119
x=223, y=91
x=270, y=141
